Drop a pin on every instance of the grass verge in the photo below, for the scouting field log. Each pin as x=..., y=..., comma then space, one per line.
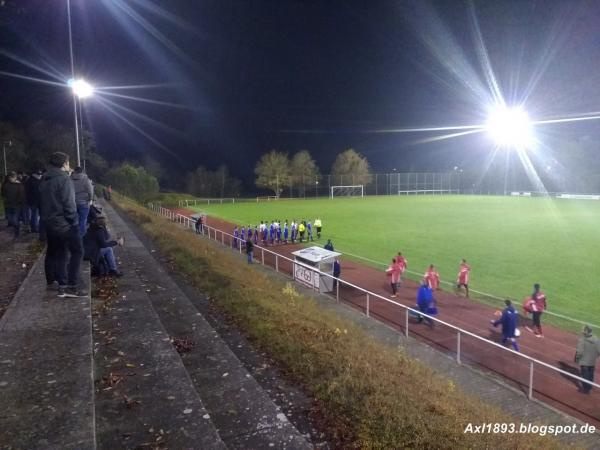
x=371, y=396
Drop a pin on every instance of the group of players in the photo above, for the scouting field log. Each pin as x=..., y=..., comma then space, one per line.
x=276, y=232
x=431, y=278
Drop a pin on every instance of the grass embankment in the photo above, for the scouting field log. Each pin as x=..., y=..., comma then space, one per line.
x=370, y=395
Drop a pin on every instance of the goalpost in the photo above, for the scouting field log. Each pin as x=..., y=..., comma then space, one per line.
x=347, y=191
x=270, y=198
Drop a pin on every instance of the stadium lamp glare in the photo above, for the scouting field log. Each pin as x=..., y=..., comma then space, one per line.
x=510, y=127
x=81, y=88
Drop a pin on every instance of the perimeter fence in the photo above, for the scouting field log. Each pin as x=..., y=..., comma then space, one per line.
x=537, y=379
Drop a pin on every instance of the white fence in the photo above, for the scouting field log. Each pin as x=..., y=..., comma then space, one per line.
x=204, y=201
x=518, y=368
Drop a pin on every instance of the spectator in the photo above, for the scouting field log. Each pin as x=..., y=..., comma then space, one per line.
x=99, y=247
x=588, y=350
x=337, y=271
x=13, y=193
x=199, y=224
x=84, y=194
x=249, y=250
x=109, y=192
x=61, y=222
x=329, y=245
x=32, y=190
x=509, y=321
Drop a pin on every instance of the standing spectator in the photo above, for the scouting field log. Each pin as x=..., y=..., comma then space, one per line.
x=337, y=271
x=109, y=192
x=318, y=226
x=329, y=245
x=13, y=193
x=463, y=277
x=537, y=305
x=588, y=351
x=394, y=271
x=59, y=215
x=84, y=194
x=249, y=250
x=32, y=190
x=432, y=278
x=509, y=321
x=199, y=224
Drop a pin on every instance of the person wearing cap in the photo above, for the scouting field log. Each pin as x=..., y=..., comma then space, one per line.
x=586, y=354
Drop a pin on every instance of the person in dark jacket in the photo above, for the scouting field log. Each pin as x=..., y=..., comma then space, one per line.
x=32, y=191
x=13, y=193
x=586, y=355
x=61, y=222
x=249, y=250
x=337, y=271
x=84, y=194
x=98, y=244
x=329, y=245
x=509, y=321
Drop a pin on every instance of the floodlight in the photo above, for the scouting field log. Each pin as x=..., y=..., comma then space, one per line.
x=81, y=88
x=510, y=127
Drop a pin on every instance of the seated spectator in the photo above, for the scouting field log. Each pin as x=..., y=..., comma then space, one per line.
x=99, y=248
x=329, y=245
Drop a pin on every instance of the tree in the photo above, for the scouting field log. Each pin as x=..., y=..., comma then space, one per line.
x=351, y=168
x=273, y=171
x=133, y=181
x=304, y=172
x=212, y=184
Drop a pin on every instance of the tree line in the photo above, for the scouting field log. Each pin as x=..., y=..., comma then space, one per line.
x=276, y=171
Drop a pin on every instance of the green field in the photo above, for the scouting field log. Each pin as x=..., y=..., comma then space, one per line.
x=510, y=243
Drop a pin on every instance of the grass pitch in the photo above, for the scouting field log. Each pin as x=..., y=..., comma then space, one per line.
x=510, y=243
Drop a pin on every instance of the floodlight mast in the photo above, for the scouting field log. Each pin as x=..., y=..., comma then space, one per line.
x=81, y=89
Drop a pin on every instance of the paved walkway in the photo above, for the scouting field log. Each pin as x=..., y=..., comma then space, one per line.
x=46, y=390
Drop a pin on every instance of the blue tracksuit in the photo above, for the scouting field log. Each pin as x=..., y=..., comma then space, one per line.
x=509, y=321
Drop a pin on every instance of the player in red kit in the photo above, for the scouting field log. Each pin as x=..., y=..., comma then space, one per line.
x=432, y=278
x=536, y=305
x=463, y=276
x=403, y=263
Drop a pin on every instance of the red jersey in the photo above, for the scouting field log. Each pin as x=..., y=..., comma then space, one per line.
x=539, y=301
x=463, y=274
x=395, y=270
x=432, y=277
x=402, y=262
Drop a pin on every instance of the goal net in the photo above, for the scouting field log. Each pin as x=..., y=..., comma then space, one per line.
x=347, y=191
x=270, y=198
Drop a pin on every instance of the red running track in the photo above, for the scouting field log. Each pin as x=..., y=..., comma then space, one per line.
x=557, y=348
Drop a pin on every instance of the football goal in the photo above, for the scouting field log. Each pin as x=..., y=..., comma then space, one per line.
x=347, y=191
x=270, y=198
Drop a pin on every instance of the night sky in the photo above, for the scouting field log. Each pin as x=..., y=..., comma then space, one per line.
x=245, y=77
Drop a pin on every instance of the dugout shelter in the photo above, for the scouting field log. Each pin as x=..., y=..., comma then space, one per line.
x=308, y=261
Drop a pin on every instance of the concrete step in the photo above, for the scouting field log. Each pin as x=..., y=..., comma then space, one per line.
x=244, y=414
x=144, y=396
x=46, y=389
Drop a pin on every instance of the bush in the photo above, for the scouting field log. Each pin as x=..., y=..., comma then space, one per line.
x=133, y=182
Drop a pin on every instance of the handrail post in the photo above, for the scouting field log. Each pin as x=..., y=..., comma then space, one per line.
x=337, y=290
x=406, y=322
x=458, y=347
x=530, y=393
x=368, y=300
x=276, y=262
x=262, y=254
x=222, y=238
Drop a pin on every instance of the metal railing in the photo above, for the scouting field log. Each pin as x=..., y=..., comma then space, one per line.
x=205, y=201
x=370, y=297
